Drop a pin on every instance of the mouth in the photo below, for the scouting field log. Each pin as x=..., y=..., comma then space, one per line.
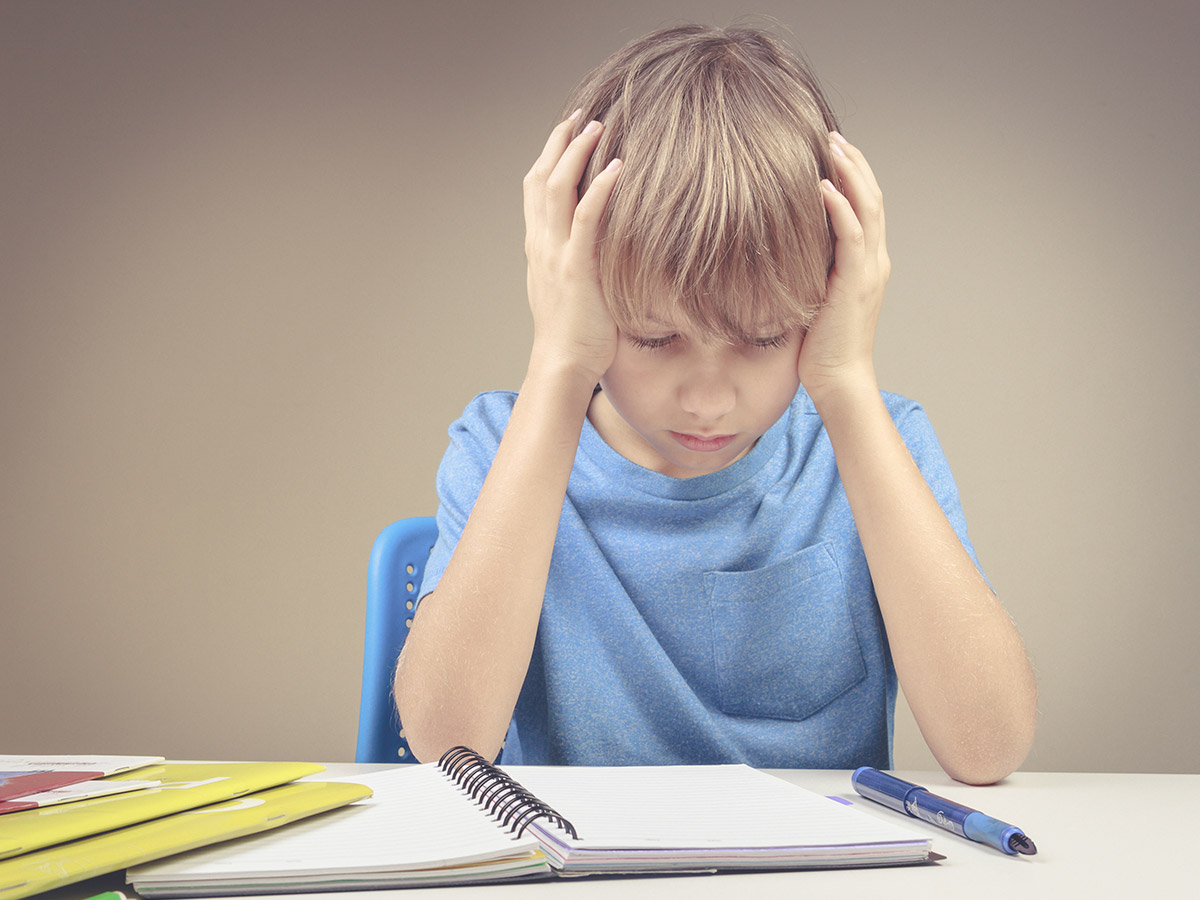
x=702, y=444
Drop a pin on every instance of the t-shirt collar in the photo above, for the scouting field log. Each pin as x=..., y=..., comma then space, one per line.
x=634, y=477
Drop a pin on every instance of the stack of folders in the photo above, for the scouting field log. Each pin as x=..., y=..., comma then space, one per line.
x=172, y=807
x=29, y=782
x=463, y=820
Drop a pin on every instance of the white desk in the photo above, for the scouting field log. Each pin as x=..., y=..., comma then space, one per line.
x=1097, y=836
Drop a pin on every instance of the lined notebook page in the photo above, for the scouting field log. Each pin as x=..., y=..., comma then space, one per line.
x=697, y=807
x=417, y=819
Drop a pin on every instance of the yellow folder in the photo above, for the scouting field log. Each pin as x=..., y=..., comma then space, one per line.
x=42, y=870
x=184, y=786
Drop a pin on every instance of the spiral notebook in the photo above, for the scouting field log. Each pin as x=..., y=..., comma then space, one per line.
x=464, y=820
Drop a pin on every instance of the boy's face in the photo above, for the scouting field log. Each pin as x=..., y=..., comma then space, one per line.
x=675, y=404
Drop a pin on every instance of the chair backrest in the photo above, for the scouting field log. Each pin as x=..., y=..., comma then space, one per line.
x=393, y=585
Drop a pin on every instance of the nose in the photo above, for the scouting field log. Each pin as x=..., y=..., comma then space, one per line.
x=707, y=391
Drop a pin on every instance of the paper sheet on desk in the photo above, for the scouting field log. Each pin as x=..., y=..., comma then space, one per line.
x=416, y=820
x=686, y=817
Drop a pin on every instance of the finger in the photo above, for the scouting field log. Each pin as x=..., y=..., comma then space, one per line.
x=861, y=188
x=850, y=249
x=535, y=178
x=556, y=143
x=851, y=151
x=562, y=186
x=591, y=206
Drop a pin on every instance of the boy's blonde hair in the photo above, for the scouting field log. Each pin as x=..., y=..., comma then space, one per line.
x=718, y=214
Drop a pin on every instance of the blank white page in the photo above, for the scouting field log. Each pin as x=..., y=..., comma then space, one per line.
x=417, y=819
x=700, y=807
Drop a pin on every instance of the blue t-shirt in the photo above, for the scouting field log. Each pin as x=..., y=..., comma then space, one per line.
x=728, y=617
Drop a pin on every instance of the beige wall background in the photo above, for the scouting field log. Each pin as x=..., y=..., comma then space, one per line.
x=256, y=256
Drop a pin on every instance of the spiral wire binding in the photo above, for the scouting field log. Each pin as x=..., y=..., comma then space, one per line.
x=505, y=799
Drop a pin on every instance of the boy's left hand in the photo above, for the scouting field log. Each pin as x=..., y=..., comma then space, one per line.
x=838, y=349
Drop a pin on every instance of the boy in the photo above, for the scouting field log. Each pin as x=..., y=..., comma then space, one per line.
x=700, y=533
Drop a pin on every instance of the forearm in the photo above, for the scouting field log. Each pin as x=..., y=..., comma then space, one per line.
x=958, y=656
x=466, y=657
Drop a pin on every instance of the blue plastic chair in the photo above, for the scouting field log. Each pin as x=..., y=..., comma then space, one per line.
x=393, y=585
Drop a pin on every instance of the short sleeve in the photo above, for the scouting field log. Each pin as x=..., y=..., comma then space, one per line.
x=474, y=438
x=922, y=442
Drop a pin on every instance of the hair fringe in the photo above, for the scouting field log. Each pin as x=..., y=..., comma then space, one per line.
x=718, y=214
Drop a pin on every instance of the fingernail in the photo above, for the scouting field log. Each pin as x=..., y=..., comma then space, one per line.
x=575, y=115
x=838, y=137
x=828, y=185
x=592, y=127
x=614, y=165
x=837, y=149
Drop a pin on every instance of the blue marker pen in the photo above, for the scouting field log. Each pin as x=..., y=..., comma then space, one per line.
x=917, y=802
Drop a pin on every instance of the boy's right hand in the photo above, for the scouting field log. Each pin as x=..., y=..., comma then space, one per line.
x=571, y=323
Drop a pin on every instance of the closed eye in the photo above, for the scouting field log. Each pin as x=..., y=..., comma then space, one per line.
x=652, y=343
x=769, y=343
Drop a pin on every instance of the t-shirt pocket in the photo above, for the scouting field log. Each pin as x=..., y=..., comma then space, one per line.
x=783, y=639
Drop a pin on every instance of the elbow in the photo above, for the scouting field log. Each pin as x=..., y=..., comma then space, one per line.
x=424, y=746
x=993, y=734
x=415, y=717
x=431, y=728
x=416, y=732
x=982, y=757
x=428, y=740
x=418, y=721
x=983, y=769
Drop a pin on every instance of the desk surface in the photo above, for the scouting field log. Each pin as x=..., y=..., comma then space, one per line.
x=1097, y=836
